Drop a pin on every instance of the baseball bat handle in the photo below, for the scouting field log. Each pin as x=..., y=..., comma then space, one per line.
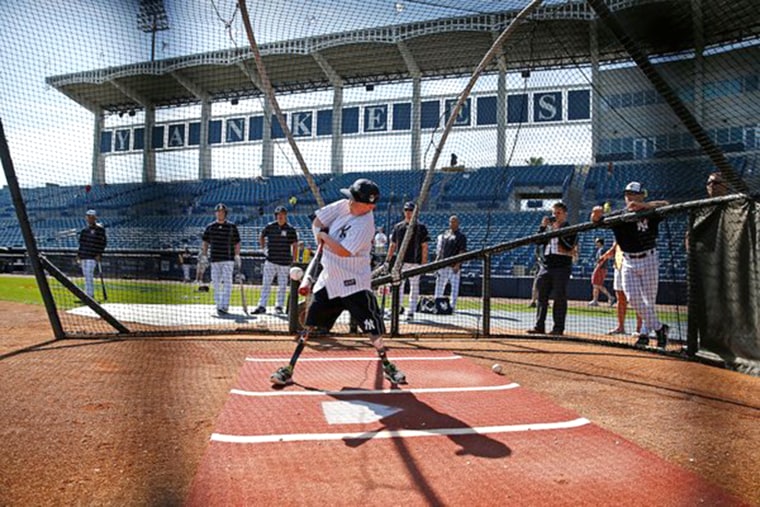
x=308, y=278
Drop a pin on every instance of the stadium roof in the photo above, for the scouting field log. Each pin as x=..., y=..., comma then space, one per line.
x=559, y=37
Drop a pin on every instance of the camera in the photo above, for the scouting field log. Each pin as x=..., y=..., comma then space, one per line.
x=552, y=219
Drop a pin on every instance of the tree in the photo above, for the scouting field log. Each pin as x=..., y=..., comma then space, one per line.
x=535, y=161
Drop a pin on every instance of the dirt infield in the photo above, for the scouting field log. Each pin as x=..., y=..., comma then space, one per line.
x=127, y=421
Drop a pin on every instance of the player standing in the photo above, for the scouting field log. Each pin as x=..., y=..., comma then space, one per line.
x=640, y=269
x=92, y=243
x=452, y=242
x=223, y=239
x=554, y=274
x=416, y=254
x=345, y=228
x=280, y=241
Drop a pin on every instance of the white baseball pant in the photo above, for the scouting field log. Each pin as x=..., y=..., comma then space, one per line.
x=414, y=288
x=444, y=276
x=640, y=279
x=283, y=275
x=186, y=272
x=88, y=270
x=221, y=279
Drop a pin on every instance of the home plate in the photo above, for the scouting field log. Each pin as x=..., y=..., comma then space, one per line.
x=355, y=411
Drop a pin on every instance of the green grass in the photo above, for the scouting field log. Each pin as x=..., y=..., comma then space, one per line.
x=19, y=289
x=23, y=289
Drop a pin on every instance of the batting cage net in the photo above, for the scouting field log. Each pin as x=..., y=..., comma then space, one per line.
x=550, y=160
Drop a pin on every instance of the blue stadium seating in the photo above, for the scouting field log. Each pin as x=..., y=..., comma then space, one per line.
x=174, y=214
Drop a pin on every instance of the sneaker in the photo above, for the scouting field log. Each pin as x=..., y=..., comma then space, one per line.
x=259, y=309
x=616, y=331
x=593, y=303
x=222, y=311
x=556, y=332
x=662, y=336
x=536, y=330
x=393, y=374
x=278, y=310
x=283, y=376
x=613, y=302
x=642, y=342
x=532, y=304
x=410, y=316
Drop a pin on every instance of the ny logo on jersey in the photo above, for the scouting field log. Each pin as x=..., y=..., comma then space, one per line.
x=369, y=325
x=342, y=231
x=642, y=225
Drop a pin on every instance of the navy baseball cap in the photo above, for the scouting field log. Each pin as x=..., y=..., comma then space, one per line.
x=409, y=206
x=221, y=207
x=363, y=190
x=280, y=209
x=634, y=187
x=91, y=213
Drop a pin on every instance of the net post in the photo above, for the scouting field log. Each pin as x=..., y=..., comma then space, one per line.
x=26, y=232
x=486, y=295
x=395, y=306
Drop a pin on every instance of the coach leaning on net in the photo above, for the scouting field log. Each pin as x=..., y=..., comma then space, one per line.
x=640, y=270
x=223, y=239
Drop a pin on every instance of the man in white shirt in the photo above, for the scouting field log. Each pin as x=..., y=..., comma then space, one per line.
x=345, y=230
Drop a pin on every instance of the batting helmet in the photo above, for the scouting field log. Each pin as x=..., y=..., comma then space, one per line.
x=280, y=209
x=363, y=190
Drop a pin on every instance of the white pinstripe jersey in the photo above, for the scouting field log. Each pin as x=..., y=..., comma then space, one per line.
x=345, y=275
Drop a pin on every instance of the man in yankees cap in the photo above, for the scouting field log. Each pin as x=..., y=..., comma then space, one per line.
x=345, y=229
x=640, y=269
x=280, y=241
x=416, y=254
x=221, y=246
x=92, y=243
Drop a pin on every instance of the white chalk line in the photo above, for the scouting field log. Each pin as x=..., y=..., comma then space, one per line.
x=386, y=434
x=329, y=359
x=354, y=392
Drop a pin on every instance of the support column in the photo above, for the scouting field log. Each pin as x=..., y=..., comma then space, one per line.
x=98, y=160
x=204, y=149
x=149, y=153
x=501, y=114
x=267, y=146
x=699, y=59
x=416, y=123
x=337, y=131
x=596, y=89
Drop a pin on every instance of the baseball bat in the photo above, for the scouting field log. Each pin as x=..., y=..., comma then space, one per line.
x=102, y=282
x=309, y=276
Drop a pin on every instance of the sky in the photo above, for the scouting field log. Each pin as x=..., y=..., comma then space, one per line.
x=50, y=136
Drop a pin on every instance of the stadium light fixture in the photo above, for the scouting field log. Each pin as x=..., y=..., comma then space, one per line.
x=151, y=19
x=400, y=7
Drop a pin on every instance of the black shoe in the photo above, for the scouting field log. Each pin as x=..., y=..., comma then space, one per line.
x=662, y=336
x=556, y=332
x=278, y=310
x=222, y=311
x=259, y=309
x=642, y=342
x=536, y=330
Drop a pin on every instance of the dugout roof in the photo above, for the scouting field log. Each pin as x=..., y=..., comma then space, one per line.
x=430, y=49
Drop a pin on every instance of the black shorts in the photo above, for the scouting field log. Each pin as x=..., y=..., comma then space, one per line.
x=362, y=306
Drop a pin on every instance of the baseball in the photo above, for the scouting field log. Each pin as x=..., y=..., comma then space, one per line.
x=296, y=273
x=607, y=207
x=496, y=368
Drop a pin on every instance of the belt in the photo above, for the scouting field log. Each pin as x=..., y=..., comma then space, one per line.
x=639, y=255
